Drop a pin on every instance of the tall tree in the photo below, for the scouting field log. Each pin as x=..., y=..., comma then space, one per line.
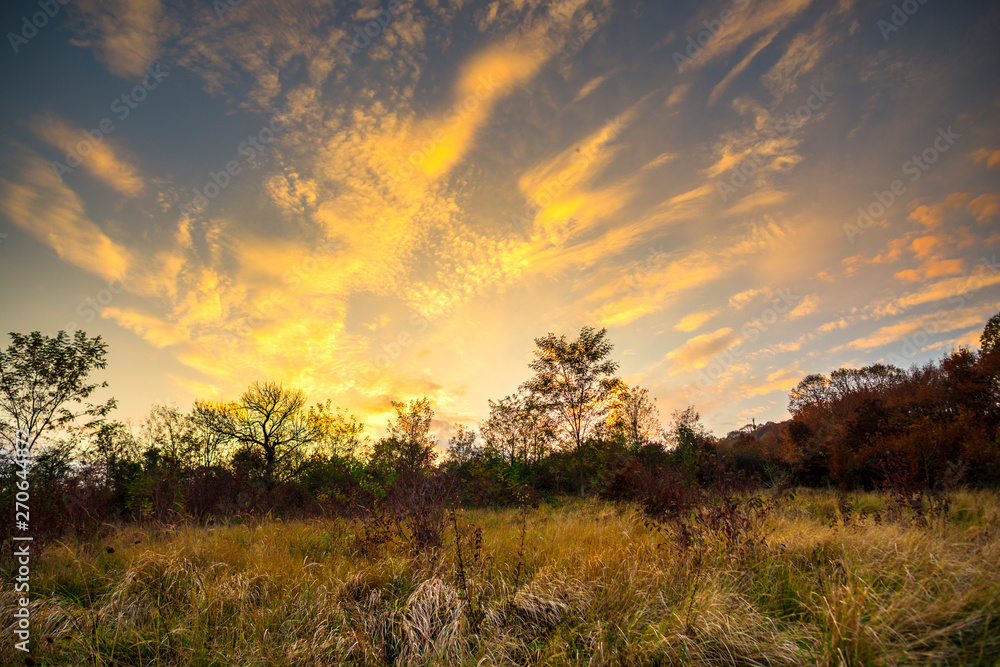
x=573, y=380
x=45, y=384
x=812, y=391
x=267, y=419
x=686, y=430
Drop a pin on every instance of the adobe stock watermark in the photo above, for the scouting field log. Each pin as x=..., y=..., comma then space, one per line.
x=900, y=14
x=713, y=28
x=122, y=106
x=372, y=29
x=220, y=180
x=749, y=332
x=22, y=539
x=454, y=117
x=30, y=27
x=913, y=344
x=556, y=185
x=91, y=307
x=740, y=175
x=915, y=167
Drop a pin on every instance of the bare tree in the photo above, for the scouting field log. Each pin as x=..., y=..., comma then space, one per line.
x=172, y=433
x=268, y=419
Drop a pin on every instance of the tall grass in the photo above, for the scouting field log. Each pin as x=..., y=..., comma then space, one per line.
x=594, y=584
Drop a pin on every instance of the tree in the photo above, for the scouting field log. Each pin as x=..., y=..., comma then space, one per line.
x=407, y=447
x=874, y=378
x=339, y=432
x=687, y=429
x=172, y=433
x=633, y=417
x=269, y=421
x=113, y=449
x=462, y=445
x=211, y=444
x=573, y=380
x=44, y=384
x=517, y=429
x=990, y=340
x=811, y=391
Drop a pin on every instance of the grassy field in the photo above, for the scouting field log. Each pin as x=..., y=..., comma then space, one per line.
x=593, y=584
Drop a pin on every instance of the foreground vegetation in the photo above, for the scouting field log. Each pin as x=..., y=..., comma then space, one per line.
x=808, y=578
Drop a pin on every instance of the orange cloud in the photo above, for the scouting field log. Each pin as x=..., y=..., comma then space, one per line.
x=940, y=322
x=807, y=306
x=694, y=321
x=988, y=157
x=149, y=327
x=489, y=76
x=102, y=162
x=125, y=34
x=43, y=206
x=697, y=351
x=985, y=207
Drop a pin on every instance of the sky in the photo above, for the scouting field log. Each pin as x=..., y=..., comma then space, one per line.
x=384, y=200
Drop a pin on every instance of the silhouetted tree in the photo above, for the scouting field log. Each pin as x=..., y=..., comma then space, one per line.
x=686, y=430
x=990, y=340
x=812, y=391
x=573, y=380
x=44, y=384
x=462, y=445
x=267, y=420
x=172, y=433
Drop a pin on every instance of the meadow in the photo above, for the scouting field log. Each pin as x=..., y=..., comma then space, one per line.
x=816, y=577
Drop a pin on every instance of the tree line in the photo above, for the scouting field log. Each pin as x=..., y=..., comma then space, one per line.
x=573, y=427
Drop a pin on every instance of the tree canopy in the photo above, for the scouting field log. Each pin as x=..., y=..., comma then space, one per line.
x=45, y=383
x=573, y=380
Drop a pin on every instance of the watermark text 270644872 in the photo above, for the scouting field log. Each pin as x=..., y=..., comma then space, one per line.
x=22, y=540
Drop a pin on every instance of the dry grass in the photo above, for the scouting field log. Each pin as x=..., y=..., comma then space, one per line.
x=595, y=586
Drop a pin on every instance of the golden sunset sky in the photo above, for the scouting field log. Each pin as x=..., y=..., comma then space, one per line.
x=388, y=200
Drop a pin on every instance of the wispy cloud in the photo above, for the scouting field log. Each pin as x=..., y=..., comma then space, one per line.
x=40, y=204
x=100, y=159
